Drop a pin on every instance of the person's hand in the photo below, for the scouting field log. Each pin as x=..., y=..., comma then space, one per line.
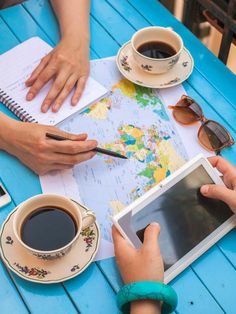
x=226, y=194
x=29, y=144
x=144, y=264
x=68, y=65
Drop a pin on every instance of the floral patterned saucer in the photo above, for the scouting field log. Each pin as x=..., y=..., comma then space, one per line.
x=179, y=73
x=33, y=269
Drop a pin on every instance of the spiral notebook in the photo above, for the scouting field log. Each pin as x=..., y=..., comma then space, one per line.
x=16, y=66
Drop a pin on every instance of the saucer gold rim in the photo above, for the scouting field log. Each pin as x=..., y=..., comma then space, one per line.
x=127, y=73
x=47, y=264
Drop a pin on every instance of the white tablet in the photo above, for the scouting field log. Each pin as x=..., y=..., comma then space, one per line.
x=190, y=223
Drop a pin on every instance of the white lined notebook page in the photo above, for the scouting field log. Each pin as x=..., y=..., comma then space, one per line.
x=17, y=64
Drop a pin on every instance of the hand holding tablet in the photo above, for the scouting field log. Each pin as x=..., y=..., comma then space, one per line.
x=190, y=222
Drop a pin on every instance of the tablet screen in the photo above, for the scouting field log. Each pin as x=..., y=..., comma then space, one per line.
x=185, y=217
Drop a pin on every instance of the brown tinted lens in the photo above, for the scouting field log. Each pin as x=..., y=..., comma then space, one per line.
x=187, y=111
x=213, y=136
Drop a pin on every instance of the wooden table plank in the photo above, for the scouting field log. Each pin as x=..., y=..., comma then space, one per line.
x=6, y=37
x=21, y=23
x=228, y=246
x=219, y=277
x=193, y=297
x=11, y=301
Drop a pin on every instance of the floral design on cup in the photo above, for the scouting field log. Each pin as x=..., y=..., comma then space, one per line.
x=185, y=63
x=125, y=64
x=172, y=62
x=146, y=67
x=9, y=240
x=176, y=80
x=32, y=271
x=48, y=257
x=89, y=237
x=75, y=267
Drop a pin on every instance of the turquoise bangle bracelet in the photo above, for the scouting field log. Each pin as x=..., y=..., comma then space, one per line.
x=147, y=290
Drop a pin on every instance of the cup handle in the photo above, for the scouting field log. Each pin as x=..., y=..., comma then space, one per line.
x=88, y=218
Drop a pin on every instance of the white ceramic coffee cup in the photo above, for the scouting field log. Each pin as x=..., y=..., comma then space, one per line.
x=152, y=34
x=82, y=220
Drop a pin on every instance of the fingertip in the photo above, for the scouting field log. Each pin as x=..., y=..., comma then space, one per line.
x=29, y=96
x=74, y=101
x=55, y=108
x=204, y=189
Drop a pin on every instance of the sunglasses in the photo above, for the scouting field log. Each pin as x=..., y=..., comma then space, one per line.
x=211, y=135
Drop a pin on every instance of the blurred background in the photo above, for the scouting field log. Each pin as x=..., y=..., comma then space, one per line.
x=212, y=21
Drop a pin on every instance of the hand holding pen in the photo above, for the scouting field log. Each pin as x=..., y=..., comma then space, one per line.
x=28, y=142
x=96, y=149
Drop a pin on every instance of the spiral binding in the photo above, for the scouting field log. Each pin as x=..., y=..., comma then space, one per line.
x=15, y=108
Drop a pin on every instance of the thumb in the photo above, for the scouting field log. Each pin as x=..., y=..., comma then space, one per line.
x=151, y=235
x=221, y=193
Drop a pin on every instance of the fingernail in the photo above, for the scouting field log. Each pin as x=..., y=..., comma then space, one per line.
x=154, y=224
x=29, y=96
x=74, y=102
x=55, y=108
x=204, y=189
x=44, y=108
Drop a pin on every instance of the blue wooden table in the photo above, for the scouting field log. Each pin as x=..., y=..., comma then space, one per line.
x=209, y=285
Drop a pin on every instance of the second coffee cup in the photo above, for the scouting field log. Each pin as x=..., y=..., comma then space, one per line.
x=156, y=49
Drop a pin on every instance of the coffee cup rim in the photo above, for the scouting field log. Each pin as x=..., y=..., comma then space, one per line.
x=49, y=251
x=157, y=27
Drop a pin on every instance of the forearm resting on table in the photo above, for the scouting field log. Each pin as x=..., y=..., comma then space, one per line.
x=73, y=17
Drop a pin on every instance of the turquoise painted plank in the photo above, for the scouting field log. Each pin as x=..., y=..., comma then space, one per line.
x=133, y=17
x=43, y=299
x=111, y=272
x=209, y=66
x=11, y=301
x=219, y=276
x=228, y=246
x=44, y=16
x=21, y=23
x=93, y=54
x=193, y=297
x=105, y=14
x=6, y=37
x=101, y=42
x=94, y=294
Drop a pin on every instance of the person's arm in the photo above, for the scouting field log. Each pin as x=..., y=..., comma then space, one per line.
x=29, y=144
x=144, y=264
x=68, y=63
x=226, y=193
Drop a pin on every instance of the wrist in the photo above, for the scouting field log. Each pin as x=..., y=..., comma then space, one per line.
x=7, y=131
x=145, y=307
x=77, y=38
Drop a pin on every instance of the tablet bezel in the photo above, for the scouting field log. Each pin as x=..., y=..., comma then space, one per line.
x=161, y=188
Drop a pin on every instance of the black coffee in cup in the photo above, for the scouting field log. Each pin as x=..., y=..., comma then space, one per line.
x=156, y=50
x=48, y=228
